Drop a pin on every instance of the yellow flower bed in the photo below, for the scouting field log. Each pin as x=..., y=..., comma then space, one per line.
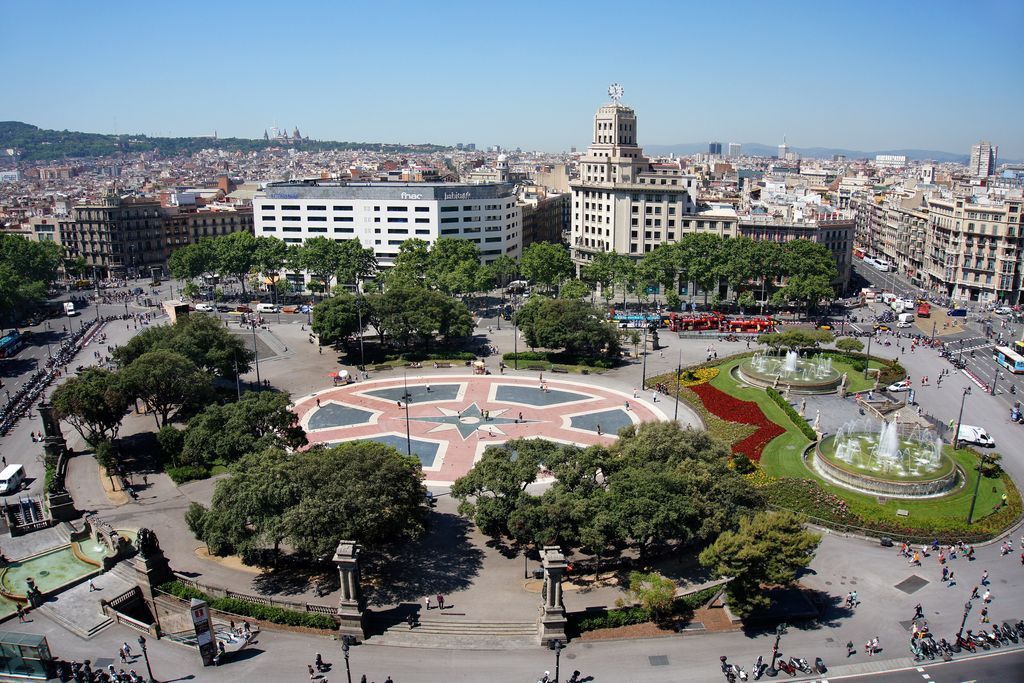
x=691, y=378
x=758, y=477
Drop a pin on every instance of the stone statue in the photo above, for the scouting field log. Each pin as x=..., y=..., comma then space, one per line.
x=817, y=421
x=803, y=407
x=51, y=425
x=147, y=543
x=842, y=382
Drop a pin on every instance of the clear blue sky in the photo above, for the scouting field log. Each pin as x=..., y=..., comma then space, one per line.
x=866, y=75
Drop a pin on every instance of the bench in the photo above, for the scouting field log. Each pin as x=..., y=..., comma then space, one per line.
x=559, y=370
x=903, y=513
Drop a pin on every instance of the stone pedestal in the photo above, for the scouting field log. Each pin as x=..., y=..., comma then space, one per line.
x=552, y=615
x=151, y=567
x=61, y=507
x=351, y=615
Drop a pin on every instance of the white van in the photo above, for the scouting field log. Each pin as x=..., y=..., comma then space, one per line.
x=266, y=308
x=976, y=435
x=11, y=479
x=905, y=320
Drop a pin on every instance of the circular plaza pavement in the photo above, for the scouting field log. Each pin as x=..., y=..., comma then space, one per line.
x=453, y=418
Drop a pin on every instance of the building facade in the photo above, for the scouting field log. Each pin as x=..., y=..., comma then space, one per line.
x=116, y=236
x=622, y=201
x=384, y=215
x=984, y=156
x=836, y=233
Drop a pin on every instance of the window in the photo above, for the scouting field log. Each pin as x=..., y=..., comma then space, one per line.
x=292, y=218
x=269, y=228
x=343, y=219
x=317, y=218
x=422, y=209
x=397, y=219
x=268, y=218
x=342, y=208
x=267, y=207
x=450, y=231
x=422, y=232
x=293, y=240
x=449, y=220
x=290, y=207
x=422, y=220
x=289, y=229
x=344, y=230
x=316, y=207
x=398, y=208
x=317, y=229
x=398, y=231
x=449, y=209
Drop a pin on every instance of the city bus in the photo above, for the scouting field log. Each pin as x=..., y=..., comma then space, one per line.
x=1009, y=359
x=11, y=343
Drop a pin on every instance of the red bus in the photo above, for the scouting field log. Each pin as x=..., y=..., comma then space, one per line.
x=924, y=309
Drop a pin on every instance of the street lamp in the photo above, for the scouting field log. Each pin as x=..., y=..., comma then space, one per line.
x=515, y=344
x=934, y=325
x=679, y=373
x=643, y=373
x=995, y=378
x=780, y=630
x=359, y=313
x=256, y=353
x=344, y=648
x=145, y=655
x=557, y=646
x=867, y=361
x=407, y=397
x=963, y=622
x=961, y=351
x=956, y=436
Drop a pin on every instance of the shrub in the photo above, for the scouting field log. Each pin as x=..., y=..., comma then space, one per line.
x=180, y=475
x=525, y=355
x=615, y=618
x=801, y=423
x=195, y=519
x=891, y=373
x=244, y=608
x=742, y=464
x=171, y=441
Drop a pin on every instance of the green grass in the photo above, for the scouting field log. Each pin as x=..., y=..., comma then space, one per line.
x=855, y=380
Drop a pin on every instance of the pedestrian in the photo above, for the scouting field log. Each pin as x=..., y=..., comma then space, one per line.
x=127, y=649
x=636, y=392
x=974, y=593
x=654, y=397
x=945, y=573
x=856, y=600
x=312, y=674
x=440, y=601
x=319, y=662
x=318, y=403
x=984, y=615
x=952, y=580
x=850, y=649
x=918, y=612
x=984, y=574
x=599, y=430
x=92, y=586
x=627, y=405
x=987, y=597
x=427, y=601
x=21, y=613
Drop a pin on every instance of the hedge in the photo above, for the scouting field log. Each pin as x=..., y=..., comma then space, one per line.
x=801, y=423
x=562, y=358
x=180, y=475
x=440, y=355
x=244, y=608
x=628, y=616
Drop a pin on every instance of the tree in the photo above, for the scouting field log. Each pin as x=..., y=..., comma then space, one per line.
x=200, y=338
x=337, y=318
x=226, y=433
x=795, y=339
x=506, y=269
x=452, y=265
x=269, y=257
x=359, y=490
x=809, y=290
x=546, y=264
x=604, y=271
x=766, y=551
x=166, y=381
x=414, y=313
x=850, y=345
x=767, y=257
x=700, y=259
x=236, y=254
x=410, y=266
x=94, y=403
x=357, y=263
x=194, y=260
x=574, y=289
x=322, y=258
x=661, y=265
x=489, y=493
x=653, y=591
x=27, y=268
x=568, y=324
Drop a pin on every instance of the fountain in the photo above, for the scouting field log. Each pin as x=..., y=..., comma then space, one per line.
x=813, y=375
x=894, y=459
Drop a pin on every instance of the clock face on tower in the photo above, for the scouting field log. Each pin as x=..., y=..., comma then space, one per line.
x=615, y=92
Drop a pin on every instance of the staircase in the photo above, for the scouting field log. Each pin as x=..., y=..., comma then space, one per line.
x=452, y=633
x=84, y=626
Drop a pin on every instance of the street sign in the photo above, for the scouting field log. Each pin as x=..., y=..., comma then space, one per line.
x=205, y=636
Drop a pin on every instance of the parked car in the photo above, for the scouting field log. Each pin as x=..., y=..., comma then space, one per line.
x=1004, y=310
x=224, y=308
x=206, y=308
x=242, y=308
x=899, y=386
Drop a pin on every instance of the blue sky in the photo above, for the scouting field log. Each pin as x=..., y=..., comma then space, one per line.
x=868, y=75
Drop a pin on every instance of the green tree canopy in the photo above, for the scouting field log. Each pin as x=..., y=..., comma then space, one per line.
x=226, y=433
x=849, y=344
x=336, y=318
x=794, y=339
x=200, y=338
x=411, y=314
x=357, y=263
x=269, y=257
x=322, y=258
x=546, y=264
x=94, y=403
x=194, y=260
x=568, y=324
x=768, y=549
x=166, y=381
x=653, y=591
x=27, y=268
x=605, y=270
x=574, y=289
x=236, y=254
x=452, y=265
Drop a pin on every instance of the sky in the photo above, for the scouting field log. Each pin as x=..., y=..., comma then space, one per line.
x=868, y=76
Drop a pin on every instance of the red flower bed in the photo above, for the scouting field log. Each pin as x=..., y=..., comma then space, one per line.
x=721, y=404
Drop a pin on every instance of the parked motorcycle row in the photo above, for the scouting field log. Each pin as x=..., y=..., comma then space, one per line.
x=24, y=398
x=791, y=666
x=972, y=641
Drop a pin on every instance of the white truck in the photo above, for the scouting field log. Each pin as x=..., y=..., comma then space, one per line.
x=976, y=436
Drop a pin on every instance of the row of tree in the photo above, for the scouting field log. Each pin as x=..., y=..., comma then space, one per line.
x=167, y=367
x=799, y=270
x=27, y=268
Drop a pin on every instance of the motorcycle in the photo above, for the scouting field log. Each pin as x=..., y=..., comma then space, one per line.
x=800, y=664
x=979, y=640
x=992, y=639
x=787, y=667
x=1010, y=633
x=819, y=665
x=758, y=668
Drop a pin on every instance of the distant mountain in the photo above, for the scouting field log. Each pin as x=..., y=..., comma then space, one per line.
x=39, y=144
x=758, y=149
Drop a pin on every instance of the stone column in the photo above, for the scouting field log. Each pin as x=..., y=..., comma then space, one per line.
x=552, y=617
x=59, y=502
x=351, y=615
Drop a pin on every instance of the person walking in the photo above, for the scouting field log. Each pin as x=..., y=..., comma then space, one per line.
x=21, y=613
x=974, y=593
x=850, y=649
x=440, y=601
x=987, y=597
x=92, y=586
x=952, y=580
x=426, y=601
x=984, y=576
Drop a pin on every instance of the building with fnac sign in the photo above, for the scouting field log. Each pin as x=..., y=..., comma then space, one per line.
x=383, y=215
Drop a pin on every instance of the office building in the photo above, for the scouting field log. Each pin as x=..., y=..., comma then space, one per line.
x=715, y=148
x=735, y=149
x=983, y=159
x=890, y=161
x=622, y=201
x=384, y=215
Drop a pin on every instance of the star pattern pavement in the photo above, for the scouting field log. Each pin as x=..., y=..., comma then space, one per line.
x=470, y=420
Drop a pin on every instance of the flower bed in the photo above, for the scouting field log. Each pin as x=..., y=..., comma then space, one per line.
x=691, y=378
x=726, y=407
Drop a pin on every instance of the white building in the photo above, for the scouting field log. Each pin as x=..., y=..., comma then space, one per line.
x=983, y=159
x=890, y=160
x=735, y=149
x=383, y=215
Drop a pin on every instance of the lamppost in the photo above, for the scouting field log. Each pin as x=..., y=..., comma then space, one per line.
x=934, y=324
x=407, y=397
x=961, y=351
x=643, y=373
x=557, y=646
x=145, y=655
x=963, y=622
x=359, y=313
x=515, y=344
x=780, y=630
x=344, y=649
x=956, y=436
x=238, y=386
x=679, y=373
x=995, y=378
x=256, y=353
x=867, y=361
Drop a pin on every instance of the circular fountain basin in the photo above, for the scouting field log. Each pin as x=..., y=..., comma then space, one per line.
x=801, y=375
x=862, y=472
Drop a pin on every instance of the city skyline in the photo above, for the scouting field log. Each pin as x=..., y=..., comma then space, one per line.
x=529, y=77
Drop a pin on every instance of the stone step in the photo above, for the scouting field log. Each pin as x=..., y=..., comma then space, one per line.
x=470, y=640
x=88, y=632
x=467, y=627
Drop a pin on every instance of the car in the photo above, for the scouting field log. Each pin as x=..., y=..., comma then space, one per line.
x=224, y=308
x=899, y=386
x=206, y=308
x=242, y=308
x=1004, y=310
x=882, y=328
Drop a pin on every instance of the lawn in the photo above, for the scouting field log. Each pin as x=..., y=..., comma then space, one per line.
x=782, y=458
